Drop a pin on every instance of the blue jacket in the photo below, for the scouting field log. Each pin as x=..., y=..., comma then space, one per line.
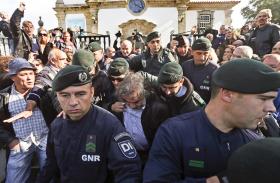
x=188, y=148
x=91, y=150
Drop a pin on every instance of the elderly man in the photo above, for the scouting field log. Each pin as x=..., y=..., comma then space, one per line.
x=276, y=48
x=153, y=58
x=242, y=52
x=41, y=93
x=265, y=35
x=125, y=50
x=142, y=114
x=195, y=147
x=199, y=69
x=90, y=145
x=23, y=137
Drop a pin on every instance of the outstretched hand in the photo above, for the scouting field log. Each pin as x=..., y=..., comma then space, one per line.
x=24, y=114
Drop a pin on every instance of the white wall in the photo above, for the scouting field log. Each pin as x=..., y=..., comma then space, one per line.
x=219, y=18
x=164, y=18
x=191, y=19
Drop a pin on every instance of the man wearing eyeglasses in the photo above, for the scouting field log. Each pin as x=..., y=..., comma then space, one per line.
x=266, y=35
x=153, y=58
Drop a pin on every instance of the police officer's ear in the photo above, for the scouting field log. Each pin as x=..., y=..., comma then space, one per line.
x=92, y=91
x=226, y=95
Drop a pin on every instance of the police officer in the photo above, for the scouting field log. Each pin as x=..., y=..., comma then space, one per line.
x=177, y=91
x=195, y=147
x=153, y=58
x=199, y=69
x=90, y=144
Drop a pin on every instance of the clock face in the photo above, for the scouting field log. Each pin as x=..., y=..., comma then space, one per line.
x=136, y=6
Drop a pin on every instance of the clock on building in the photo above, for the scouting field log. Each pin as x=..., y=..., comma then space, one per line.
x=136, y=6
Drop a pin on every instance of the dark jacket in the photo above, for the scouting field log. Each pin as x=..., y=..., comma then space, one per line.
x=42, y=94
x=22, y=42
x=263, y=39
x=90, y=149
x=153, y=115
x=189, y=102
x=6, y=29
x=189, y=149
x=200, y=76
x=7, y=133
x=151, y=64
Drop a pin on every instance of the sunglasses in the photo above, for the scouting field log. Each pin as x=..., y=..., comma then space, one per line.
x=42, y=34
x=115, y=79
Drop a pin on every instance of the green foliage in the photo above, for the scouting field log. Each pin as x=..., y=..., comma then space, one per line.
x=255, y=6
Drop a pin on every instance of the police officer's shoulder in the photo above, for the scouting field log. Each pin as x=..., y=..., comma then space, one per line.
x=199, y=101
x=182, y=120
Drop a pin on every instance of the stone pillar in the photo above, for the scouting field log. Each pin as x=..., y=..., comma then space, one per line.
x=92, y=20
x=228, y=19
x=61, y=19
x=182, y=18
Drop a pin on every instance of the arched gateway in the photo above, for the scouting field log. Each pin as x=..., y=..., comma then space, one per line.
x=201, y=13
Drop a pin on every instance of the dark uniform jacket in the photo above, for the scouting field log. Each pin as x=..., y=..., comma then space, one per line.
x=188, y=148
x=189, y=102
x=200, y=76
x=85, y=151
x=151, y=63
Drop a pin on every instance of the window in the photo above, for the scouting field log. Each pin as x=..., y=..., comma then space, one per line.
x=205, y=20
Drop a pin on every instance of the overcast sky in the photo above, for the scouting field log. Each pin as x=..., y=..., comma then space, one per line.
x=44, y=8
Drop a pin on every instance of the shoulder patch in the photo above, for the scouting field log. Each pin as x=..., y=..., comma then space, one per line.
x=121, y=135
x=127, y=149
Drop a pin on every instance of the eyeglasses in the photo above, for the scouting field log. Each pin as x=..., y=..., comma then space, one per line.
x=116, y=79
x=42, y=34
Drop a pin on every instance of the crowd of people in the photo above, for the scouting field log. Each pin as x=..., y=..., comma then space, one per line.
x=187, y=112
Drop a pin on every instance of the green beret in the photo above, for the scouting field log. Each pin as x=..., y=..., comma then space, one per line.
x=94, y=46
x=255, y=162
x=83, y=58
x=72, y=75
x=202, y=44
x=170, y=73
x=246, y=76
x=152, y=36
x=118, y=67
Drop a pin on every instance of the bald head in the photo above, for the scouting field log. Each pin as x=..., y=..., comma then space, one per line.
x=273, y=61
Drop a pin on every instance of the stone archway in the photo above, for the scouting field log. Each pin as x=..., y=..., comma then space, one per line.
x=141, y=25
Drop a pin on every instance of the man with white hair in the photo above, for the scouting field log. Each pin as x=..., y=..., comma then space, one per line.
x=242, y=52
x=265, y=35
x=125, y=50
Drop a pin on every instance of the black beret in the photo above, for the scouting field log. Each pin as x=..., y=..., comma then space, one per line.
x=118, y=67
x=202, y=44
x=256, y=162
x=170, y=73
x=246, y=76
x=152, y=36
x=182, y=41
x=72, y=75
x=83, y=58
x=94, y=46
